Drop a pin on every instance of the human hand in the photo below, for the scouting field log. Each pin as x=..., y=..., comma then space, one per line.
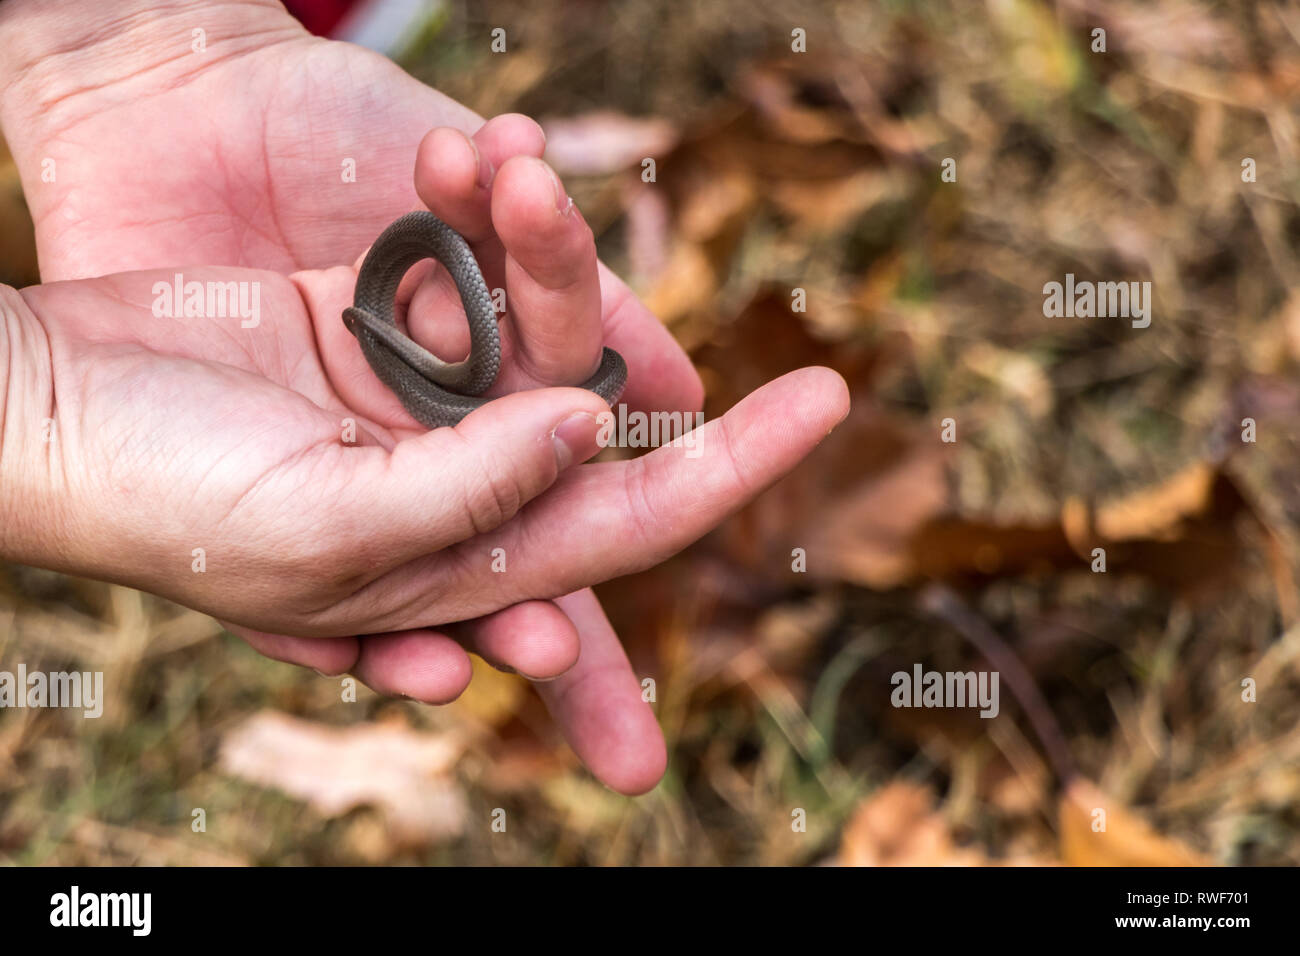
x=204, y=435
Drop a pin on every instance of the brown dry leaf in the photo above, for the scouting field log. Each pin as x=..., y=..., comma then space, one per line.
x=951, y=548
x=1126, y=840
x=1155, y=513
x=518, y=73
x=875, y=514
x=867, y=536
x=404, y=773
x=721, y=200
x=604, y=142
x=1182, y=533
x=881, y=516
x=765, y=341
x=807, y=162
x=745, y=143
x=492, y=696
x=686, y=282
x=774, y=91
x=690, y=254
x=521, y=762
x=825, y=206
x=894, y=529
x=1041, y=59
x=879, y=287
x=898, y=826
x=788, y=633
x=831, y=99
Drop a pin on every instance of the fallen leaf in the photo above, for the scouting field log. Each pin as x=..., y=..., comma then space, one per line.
x=898, y=826
x=1155, y=513
x=492, y=696
x=404, y=773
x=1125, y=841
x=604, y=142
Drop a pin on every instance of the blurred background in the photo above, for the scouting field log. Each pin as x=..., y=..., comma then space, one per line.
x=821, y=171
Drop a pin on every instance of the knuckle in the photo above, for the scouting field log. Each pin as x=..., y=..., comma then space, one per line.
x=492, y=494
x=642, y=512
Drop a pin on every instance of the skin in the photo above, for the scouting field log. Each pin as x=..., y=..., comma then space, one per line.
x=370, y=557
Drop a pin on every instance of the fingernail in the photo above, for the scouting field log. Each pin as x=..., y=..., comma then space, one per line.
x=563, y=203
x=486, y=171
x=547, y=680
x=507, y=669
x=575, y=439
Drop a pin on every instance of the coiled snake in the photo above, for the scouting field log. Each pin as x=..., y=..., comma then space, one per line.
x=435, y=392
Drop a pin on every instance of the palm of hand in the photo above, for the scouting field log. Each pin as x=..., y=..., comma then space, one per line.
x=241, y=164
x=150, y=402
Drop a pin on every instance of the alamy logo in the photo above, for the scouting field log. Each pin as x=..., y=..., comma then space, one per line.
x=946, y=689
x=55, y=689
x=650, y=430
x=179, y=299
x=103, y=909
x=1102, y=300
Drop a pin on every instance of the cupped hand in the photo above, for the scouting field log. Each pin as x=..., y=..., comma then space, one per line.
x=254, y=473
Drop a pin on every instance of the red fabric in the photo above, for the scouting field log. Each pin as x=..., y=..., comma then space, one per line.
x=320, y=16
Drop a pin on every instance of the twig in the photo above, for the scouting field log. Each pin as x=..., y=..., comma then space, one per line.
x=940, y=601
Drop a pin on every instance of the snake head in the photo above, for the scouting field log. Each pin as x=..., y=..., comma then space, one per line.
x=350, y=319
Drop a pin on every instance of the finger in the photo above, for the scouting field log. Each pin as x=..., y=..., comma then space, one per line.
x=660, y=375
x=553, y=287
x=616, y=518
x=435, y=314
x=453, y=178
x=450, y=169
x=450, y=484
x=454, y=172
x=534, y=639
x=422, y=664
x=329, y=656
x=510, y=134
x=599, y=709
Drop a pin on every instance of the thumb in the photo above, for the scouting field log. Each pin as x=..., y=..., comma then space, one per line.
x=444, y=486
